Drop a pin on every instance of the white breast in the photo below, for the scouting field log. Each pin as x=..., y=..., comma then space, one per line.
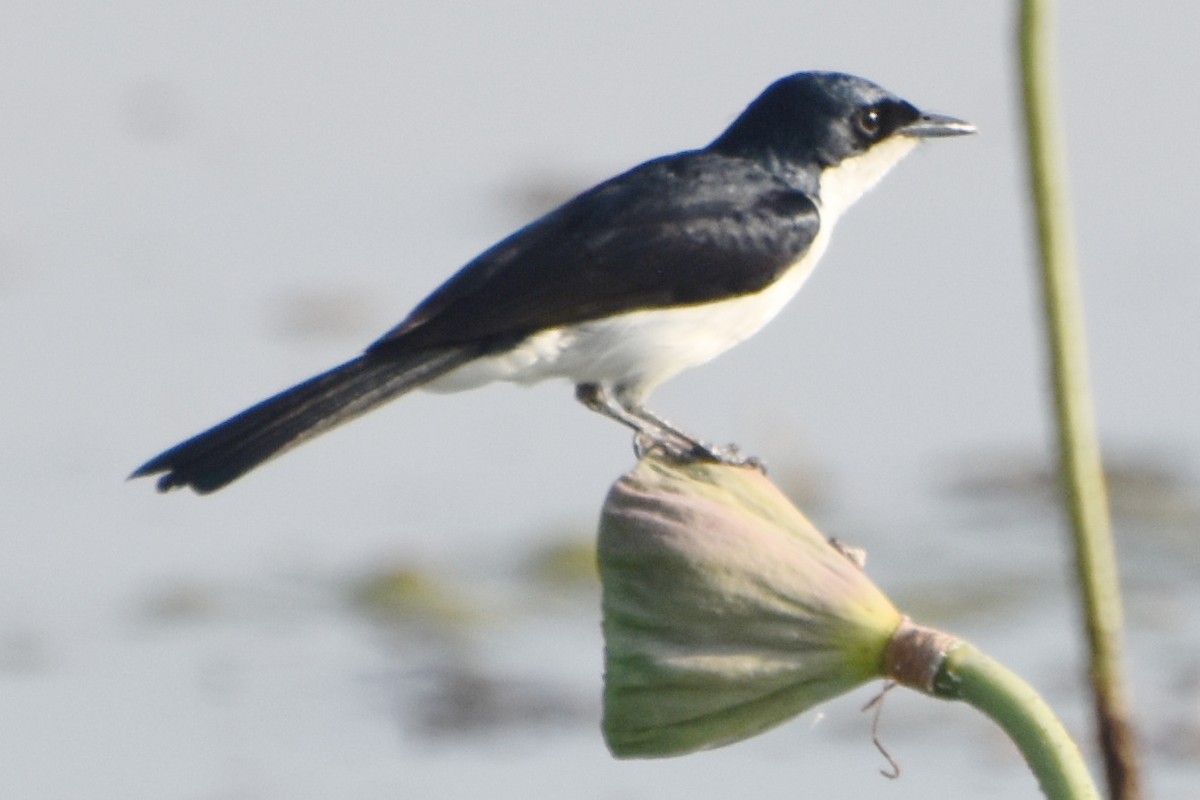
x=640, y=349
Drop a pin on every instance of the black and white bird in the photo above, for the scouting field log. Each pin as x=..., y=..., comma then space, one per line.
x=645, y=275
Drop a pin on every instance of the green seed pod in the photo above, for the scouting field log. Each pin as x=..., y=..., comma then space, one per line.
x=725, y=611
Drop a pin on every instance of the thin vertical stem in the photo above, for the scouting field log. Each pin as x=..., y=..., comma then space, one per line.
x=1080, y=464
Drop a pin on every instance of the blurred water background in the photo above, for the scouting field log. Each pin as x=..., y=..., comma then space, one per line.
x=203, y=203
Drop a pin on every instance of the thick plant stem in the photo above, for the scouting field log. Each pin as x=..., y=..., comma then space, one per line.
x=1081, y=470
x=945, y=666
x=974, y=678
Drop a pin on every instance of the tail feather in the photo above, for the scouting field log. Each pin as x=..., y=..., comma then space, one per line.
x=227, y=451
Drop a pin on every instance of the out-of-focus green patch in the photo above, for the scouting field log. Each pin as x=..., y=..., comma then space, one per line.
x=567, y=563
x=405, y=594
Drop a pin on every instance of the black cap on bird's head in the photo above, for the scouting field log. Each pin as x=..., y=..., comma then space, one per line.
x=825, y=118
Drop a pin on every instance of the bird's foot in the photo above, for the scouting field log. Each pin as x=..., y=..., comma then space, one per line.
x=644, y=444
x=730, y=455
x=687, y=451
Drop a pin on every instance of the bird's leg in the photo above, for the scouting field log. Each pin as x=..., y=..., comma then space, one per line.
x=701, y=450
x=649, y=433
x=654, y=432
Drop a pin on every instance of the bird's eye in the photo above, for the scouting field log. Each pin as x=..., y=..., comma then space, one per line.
x=870, y=121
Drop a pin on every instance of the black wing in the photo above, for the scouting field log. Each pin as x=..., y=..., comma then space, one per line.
x=679, y=230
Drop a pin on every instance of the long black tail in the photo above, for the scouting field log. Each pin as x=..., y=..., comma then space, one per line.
x=222, y=454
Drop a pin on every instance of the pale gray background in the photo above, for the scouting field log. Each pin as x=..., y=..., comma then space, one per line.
x=201, y=203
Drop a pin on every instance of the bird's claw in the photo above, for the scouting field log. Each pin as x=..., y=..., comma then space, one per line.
x=730, y=455
x=689, y=452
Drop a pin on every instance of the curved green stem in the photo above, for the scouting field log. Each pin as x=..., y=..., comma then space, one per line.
x=969, y=675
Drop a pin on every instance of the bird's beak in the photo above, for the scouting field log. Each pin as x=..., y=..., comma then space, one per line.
x=928, y=126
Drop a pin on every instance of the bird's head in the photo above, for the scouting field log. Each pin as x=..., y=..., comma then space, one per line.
x=840, y=131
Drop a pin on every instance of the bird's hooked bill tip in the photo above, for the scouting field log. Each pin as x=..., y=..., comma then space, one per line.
x=929, y=126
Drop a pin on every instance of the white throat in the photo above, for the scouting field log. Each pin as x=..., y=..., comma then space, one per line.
x=841, y=186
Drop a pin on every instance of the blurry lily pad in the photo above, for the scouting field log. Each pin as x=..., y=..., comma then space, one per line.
x=465, y=702
x=1145, y=487
x=564, y=564
x=405, y=594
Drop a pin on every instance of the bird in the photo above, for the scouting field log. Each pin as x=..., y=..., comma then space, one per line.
x=649, y=273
